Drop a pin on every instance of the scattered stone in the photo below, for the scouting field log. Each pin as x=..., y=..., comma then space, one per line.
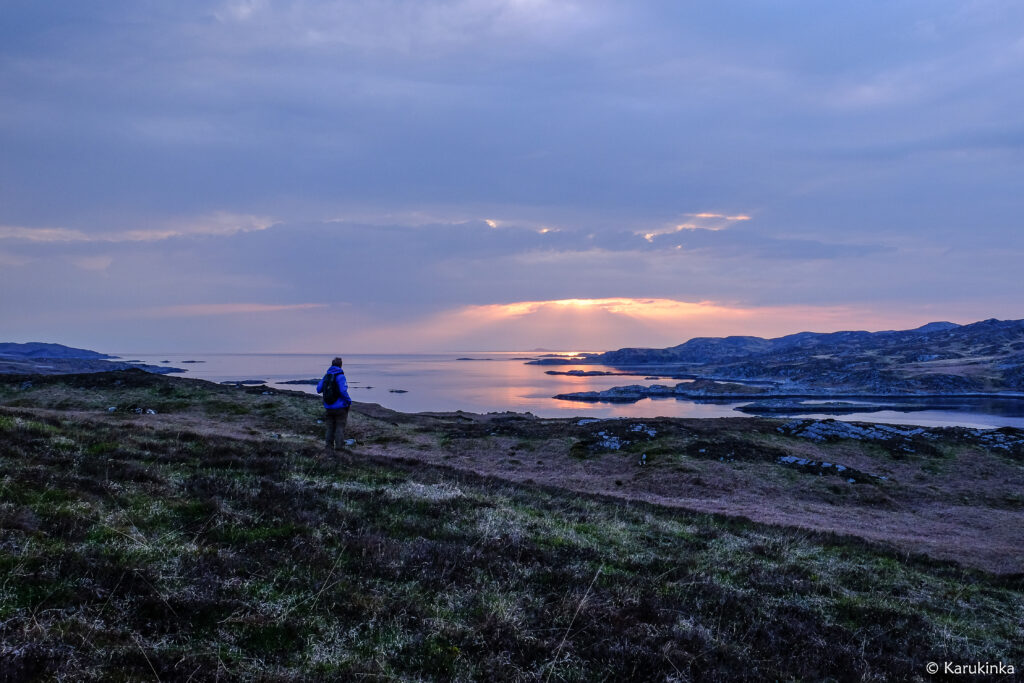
x=643, y=428
x=610, y=441
x=825, y=430
x=902, y=439
x=150, y=411
x=588, y=421
x=821, y=468
x=899, y=440
x=1000, y=439
x=803, y=462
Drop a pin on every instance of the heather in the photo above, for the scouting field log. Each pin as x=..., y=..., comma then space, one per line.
x=173, y=549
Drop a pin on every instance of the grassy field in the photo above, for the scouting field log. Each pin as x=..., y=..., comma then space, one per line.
x=170, y=550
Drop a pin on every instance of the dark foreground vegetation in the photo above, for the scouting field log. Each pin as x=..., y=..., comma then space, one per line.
x=163, y=553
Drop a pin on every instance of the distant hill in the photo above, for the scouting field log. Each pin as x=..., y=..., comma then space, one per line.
x=39, y=358
x=940, y=357
x=43, y=350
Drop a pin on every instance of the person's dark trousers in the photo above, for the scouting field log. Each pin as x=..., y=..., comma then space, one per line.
x=335, y=419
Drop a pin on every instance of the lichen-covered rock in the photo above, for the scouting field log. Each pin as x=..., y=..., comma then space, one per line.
x=828, y=430
x=906, y=440
x=851, y=475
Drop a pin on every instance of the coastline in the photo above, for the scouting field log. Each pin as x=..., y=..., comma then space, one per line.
x=434, y=382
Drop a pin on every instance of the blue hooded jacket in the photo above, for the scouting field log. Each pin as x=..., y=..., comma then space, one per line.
x=345, y=400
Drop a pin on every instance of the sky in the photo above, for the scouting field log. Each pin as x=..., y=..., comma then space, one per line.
x=404, y=176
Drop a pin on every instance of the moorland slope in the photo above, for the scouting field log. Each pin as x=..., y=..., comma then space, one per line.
x=170, y=528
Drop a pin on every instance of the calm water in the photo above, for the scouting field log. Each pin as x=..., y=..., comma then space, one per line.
x=439, y=382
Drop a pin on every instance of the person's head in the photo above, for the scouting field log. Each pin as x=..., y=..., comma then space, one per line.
x=336, y=362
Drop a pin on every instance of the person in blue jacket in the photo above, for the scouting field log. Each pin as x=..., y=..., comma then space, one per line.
x=336, y=410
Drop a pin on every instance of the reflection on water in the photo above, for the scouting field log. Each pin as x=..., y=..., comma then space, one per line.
x=439, y=382
x=983, y=413
x=929, y=418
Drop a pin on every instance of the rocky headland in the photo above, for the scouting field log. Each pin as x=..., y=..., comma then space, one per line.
x=587, y=373
x=38, y=358
x=939, y=359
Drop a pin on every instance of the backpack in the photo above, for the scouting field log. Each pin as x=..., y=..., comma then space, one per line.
x=332, y=392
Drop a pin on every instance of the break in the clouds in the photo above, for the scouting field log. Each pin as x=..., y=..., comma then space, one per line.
x=302, y=175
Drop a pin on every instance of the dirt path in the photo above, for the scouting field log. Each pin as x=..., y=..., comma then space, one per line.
x=972, y=535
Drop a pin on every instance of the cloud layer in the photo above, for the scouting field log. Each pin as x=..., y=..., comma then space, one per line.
x=390, y=164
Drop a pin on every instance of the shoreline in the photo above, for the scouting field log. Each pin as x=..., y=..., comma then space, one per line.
x=749, y=397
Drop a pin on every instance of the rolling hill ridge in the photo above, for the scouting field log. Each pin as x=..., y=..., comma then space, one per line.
x=940, y=357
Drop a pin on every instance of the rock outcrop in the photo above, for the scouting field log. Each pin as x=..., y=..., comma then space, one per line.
x=939, y=358
x=37, y=358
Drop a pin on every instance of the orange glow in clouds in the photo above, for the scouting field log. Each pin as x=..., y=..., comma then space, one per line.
x=611, y=323
x=653, y=309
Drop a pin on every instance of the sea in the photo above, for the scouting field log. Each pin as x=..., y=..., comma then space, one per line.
x=486, y=382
